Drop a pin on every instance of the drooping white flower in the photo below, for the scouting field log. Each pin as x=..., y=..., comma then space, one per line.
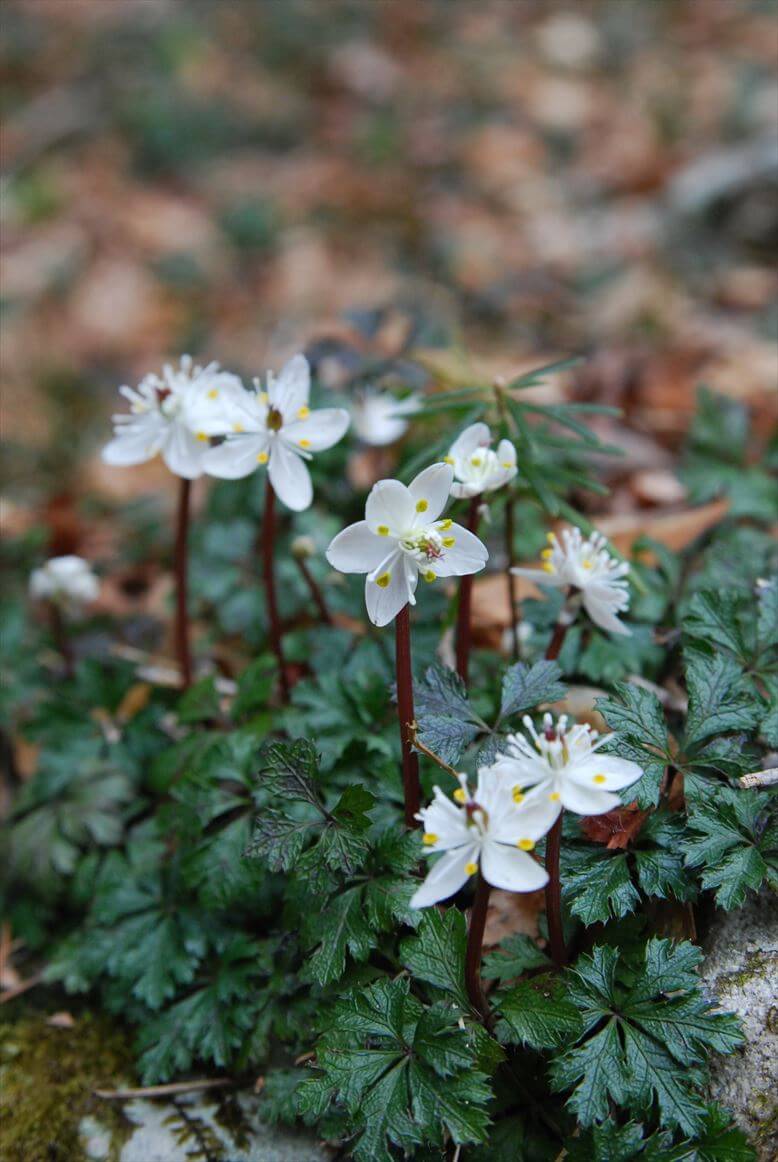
x=565, y=766
x=490, y=829
x=275, y=427
x=67, y=581
x=380, y=418
x=477, y=467
x=587, y=566
x=162, y=420
x=403, y=536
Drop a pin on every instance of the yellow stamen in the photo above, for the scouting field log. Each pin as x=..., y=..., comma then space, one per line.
x=422, y=505
x=518, y=795
x=586, y=564
x=213, y=393
x=238, y=428
x=551, y=538
x=201, y=436
x=430, y=576
x=526, y=844
x=547, y=567
x=262, y=458
x=546, y=554
x=449, y=542
x=445, y=525
x=476, y=461
x=471, y=868
x=383, y=530
x=599, y=779
x=460, y=795
x=507, y=464
x=383, y=580
x=303, y=413
x=448, y=459
x=304, y=443
x=263, y=397
x=429, y=837
x=555, y=796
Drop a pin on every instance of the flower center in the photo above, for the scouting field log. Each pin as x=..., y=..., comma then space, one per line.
x=423, y=545
x=274, y=421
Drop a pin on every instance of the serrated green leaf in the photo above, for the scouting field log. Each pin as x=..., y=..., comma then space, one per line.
x=597, y=885
x=447, y=723
x=537, y=1013
x=436, y=954
x=516, y=954
x=718, y=698
x=525, y=687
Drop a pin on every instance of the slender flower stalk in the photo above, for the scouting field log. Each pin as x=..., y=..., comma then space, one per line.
x=268, y=540
x=513, y=596
x=183, y=649
x=410, y=760
x=556, y=934
x=464, y=612
x=66, y=584
x=475, y=940
x=61, y=639
x=313, y=586
x=563, y=623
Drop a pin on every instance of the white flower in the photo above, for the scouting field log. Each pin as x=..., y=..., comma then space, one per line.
x=379, y=418
x=564, y=766
x=477, y=467
x=277, y=428
x=161, y=417
x=403, y=536
x=587, y=566
x=67, y=581
x=490, y=829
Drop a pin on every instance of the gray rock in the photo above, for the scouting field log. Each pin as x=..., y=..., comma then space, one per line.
x=740, y=970
x=194, y=1128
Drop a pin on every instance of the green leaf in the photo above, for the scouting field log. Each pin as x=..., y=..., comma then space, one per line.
x=516, y=955
x=537, y=1013
x=447, y=723
x=658, y=1029
x=200, y=702
x=637, y=716
x=767, y=617
x=436, y=954
x=597, y=885
x=719, y=700
x=733, y=838
x=403, y=1072
x=524, y=687
x=717, y=617
x=289, y=770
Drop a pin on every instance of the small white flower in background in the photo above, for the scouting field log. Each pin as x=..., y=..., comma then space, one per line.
x=161, y=417
x=477, y=467
x=67, y=581
x=403, y=536
x=276, y=428
x=587, y=566
x=380, y=418
x=564, y=765
x=490, y=829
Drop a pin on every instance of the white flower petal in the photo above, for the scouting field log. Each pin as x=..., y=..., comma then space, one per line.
x=605, y=772
x=506, y=454
x=390, y=506
x=511, y=869
x=236, y=457
x=464, y=491
x=476, y=436
x=137, y=442
x=183, y=452
x=466, y=555
x=600, y=610
x=445, y=821
x=586, y=800
x=540, y=576
x=431, y=488
x=384, y=601
x=531, y=819
x=319, y=431
x=446, y=877
x=289, y=477
x=356, y=549
x=289, y=392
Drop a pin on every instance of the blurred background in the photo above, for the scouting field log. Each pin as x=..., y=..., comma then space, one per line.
x=524, y=180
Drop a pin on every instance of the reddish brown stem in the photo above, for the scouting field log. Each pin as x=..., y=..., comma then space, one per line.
x=61, y=640
x=315, y=591
x=410, y=760
x=475, y=940
x=268, y=540
x=554, y=895
x=513, y=597
x=464, y=616
x=182, y=584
